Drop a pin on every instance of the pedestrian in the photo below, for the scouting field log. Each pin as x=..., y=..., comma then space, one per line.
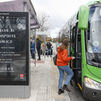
x=62, y=65
x=49, y=48
x=31, y=45
x=33, y=49
x=43, y=47
x=38, y=47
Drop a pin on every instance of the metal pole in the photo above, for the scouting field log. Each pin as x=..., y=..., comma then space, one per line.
x=35, y=46
x=24, y=6
x=45, y=44
x=70, y=40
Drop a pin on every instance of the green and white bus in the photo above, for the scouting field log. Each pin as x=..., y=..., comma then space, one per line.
x=85, y=38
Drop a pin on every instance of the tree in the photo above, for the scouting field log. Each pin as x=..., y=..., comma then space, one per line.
x=43, y=22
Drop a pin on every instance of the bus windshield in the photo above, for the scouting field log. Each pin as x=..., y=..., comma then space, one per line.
x=94, y=42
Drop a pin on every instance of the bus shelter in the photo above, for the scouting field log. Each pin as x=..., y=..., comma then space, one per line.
x=17, y=18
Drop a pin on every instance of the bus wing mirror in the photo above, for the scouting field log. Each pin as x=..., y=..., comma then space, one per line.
x=83, y=17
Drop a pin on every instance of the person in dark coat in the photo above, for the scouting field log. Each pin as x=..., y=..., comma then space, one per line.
x=38, y=47
x=33, y=49
x=49, y=49
x=31, y=45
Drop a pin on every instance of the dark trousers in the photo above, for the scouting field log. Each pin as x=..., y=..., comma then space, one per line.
x=39, y=53
x=31, y=52
x=33, y=55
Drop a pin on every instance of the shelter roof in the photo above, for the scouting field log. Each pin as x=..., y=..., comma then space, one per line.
x=21, y=6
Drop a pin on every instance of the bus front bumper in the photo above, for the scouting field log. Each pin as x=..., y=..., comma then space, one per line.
x=91, y=94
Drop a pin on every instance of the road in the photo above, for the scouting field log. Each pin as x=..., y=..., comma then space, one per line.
x=75, y=94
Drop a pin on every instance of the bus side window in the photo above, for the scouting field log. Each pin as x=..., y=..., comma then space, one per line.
x=73, y=40
x=86, y=38
x=79, y=36
x=79, y=41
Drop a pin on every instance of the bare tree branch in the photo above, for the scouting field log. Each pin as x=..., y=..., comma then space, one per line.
x=43, y=22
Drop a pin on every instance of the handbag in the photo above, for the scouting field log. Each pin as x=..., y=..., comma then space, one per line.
x=55, y=59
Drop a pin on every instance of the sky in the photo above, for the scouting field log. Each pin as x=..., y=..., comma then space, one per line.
x=59, y=11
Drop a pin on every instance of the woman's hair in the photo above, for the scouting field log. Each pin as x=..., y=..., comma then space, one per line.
x=64, y=44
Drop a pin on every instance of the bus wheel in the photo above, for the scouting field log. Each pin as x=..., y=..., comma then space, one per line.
x=84, y=93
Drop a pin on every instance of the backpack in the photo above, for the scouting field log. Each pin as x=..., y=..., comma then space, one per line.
x=55, y=59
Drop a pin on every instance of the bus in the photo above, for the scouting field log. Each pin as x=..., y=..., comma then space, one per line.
x=85, y=37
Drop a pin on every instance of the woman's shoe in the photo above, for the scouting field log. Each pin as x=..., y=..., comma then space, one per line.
x=60, y=91
x=65, y=87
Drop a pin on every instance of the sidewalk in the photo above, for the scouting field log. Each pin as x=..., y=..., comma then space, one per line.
x=44, y=81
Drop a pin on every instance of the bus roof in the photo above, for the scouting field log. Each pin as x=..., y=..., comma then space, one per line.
x=93, y=2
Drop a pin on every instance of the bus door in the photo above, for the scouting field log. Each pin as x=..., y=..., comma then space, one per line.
x=78, y=56
x=76, y=45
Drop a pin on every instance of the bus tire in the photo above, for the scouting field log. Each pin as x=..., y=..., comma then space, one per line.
x=84, y=93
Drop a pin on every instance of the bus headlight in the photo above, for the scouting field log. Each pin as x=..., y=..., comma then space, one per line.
x=92, y=84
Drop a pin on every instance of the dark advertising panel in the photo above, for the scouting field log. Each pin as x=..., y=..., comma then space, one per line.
x=14, y=49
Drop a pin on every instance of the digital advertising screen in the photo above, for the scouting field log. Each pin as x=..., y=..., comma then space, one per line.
x=14, y=48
